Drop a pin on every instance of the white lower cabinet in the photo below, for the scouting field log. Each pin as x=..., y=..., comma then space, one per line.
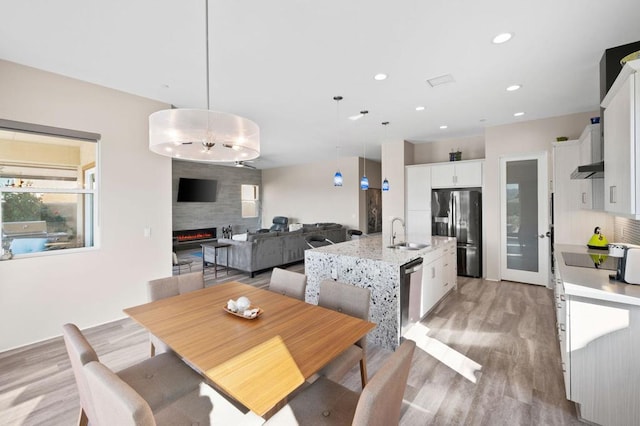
x=438, y=276
x=450, y=266
x=431, y=284
x=562, y=321
x=600, y=349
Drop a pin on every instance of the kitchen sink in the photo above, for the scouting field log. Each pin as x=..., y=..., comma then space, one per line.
x=408, y=246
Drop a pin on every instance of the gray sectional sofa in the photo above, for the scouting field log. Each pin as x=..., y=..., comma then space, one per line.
x=265, y=250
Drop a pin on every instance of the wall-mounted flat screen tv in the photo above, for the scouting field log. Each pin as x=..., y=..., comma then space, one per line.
x=197, y=190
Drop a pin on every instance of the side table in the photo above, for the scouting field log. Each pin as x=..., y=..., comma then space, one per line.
x=215, y=246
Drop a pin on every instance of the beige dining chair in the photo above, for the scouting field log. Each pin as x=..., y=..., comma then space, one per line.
x=118, y=403
x=162, y=288
x=351, y=300
x=158, y=380
x=325, y=402
x=288, y=283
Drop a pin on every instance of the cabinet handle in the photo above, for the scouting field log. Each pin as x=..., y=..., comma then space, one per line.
x=455, y=179
x=562, y=297
x=562, y=327
x=559, y=305
x=433, y=272
x=564, y=369
x=446, y=284
x=584, y=198
x=612, y=194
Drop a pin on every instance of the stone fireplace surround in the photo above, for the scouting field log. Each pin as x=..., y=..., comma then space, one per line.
x=225, y=211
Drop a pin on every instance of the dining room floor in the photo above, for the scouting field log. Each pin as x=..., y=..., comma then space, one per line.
x=486, y=355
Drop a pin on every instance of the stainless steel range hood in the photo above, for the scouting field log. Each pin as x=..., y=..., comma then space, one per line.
x=589, y=171
x=591, y=149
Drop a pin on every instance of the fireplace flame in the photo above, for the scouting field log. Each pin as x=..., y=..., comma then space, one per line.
x=195, y=236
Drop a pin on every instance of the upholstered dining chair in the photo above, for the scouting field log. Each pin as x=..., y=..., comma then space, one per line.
x=118, y=403
x=325, y=402
x=354, y=301
x=158, y=380
x=162, y=288
x=288, y=283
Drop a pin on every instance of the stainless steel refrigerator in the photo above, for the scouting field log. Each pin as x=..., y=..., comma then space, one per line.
x=458, y=213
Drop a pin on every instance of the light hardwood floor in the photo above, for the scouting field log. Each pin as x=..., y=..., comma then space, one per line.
x=487, y=355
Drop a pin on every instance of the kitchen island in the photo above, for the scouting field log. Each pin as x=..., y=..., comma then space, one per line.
x=598, y=324
x=369, y=263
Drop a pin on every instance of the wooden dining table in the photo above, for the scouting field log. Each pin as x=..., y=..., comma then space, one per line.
x=258, y=362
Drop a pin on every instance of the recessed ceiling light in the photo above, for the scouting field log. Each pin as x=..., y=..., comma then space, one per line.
x=380, y=76
x=518, y=114
x=419, y=108
x=444, y=127
x=501, y=38
x=513, y=87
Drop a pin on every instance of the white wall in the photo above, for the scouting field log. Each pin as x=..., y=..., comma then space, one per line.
x=306, y=194
x=526, y=137
x=38, y=295
x=395, y=155
x=472, y=148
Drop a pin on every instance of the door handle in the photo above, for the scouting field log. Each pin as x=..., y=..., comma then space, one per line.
x=612, y=194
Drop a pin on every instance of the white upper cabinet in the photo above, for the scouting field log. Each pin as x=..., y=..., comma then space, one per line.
x=457, y=174
x=418, y=200
x=622, y=144
x=418, y=188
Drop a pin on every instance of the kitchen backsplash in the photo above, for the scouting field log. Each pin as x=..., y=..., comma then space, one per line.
x=631, y=234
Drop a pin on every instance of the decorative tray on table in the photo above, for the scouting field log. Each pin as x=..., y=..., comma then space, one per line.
x=241, y=314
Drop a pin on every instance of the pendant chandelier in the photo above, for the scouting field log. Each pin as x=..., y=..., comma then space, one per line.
x=203, y=135
x=337, y=178
x=364, y=180
x=385, y=182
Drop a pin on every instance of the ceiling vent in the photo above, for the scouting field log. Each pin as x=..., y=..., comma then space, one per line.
x=443, y=79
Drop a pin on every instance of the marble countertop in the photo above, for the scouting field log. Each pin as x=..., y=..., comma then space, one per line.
x=593, y=283
x=374, y=248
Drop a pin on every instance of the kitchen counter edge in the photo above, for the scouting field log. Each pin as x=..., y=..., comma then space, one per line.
x=593, y=283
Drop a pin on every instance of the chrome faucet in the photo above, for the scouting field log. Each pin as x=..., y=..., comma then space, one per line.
x=393, y=235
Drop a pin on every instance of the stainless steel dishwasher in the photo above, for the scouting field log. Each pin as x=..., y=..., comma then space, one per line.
x=410, y=293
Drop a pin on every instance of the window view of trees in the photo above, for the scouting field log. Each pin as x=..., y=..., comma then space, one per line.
x=47, y=188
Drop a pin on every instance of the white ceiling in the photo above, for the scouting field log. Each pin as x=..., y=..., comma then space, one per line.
x=280, y=62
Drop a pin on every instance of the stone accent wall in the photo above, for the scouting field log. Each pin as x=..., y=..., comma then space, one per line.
x=226, y=210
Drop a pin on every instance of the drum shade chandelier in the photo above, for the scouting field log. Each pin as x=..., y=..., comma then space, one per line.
x=203, y=135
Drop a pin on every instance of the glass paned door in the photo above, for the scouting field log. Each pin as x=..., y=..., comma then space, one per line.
x=524, y=221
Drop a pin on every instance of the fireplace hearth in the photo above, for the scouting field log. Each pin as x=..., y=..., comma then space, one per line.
x=193, y=237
